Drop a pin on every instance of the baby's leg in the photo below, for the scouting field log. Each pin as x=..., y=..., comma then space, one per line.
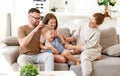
x=76, y=51
x=59, y=58
x=69, y=56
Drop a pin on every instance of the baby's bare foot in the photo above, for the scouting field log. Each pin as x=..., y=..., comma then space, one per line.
x=78, y=63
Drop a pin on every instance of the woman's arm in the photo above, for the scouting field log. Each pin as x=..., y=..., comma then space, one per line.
x=42, y=46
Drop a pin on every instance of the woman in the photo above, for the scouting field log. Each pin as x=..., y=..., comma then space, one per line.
x=50, y=19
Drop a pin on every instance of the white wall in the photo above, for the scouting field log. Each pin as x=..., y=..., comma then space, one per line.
x=5, y=9
x=19, y=13
x=81, y=6
x=19, y=9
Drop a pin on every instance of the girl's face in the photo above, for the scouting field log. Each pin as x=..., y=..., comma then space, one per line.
x=92, y=22
x=52, y=22
x=49, y=35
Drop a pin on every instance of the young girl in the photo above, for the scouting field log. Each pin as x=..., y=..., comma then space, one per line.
x=88, y=37
x=54, y=45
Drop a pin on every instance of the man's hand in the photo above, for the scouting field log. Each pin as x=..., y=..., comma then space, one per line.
x=38, y=27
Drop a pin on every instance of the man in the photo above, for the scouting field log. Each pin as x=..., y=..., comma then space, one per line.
x=29, y=37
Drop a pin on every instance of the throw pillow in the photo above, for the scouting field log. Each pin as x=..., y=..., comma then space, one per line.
x=64, y=32
x=10, y=41
x=108, y=37
x=113, y=50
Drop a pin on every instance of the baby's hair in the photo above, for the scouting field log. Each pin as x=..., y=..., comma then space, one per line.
x=46, y=28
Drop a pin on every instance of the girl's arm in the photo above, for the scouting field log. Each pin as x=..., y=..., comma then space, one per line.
x=70, y=39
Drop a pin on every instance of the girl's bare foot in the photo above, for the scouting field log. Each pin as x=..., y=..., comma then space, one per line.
x=100, y=58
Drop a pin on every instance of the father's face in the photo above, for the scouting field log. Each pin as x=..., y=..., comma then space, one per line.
x=34, y=18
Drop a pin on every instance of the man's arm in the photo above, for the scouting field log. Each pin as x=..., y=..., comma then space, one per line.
x=25, y=40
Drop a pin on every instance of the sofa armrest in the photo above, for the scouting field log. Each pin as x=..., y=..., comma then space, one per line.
x=10, y=53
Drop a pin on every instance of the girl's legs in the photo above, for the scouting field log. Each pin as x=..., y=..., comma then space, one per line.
x=87, y=56
x=59, y=59
x=67, y=55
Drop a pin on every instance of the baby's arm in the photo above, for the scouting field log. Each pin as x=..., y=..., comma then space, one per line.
x=55, y=51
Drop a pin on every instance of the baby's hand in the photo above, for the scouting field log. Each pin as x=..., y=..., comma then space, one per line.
x=55, y=52
x=49, y=45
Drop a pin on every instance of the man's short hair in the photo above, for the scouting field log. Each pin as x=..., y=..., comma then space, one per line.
x=33, y=10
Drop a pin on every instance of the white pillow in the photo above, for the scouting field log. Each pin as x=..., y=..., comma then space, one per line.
x=113, y=50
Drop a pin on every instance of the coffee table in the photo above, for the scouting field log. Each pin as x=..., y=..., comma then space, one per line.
x=48, y=73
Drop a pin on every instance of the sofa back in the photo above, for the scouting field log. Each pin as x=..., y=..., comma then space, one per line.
x=108, y=38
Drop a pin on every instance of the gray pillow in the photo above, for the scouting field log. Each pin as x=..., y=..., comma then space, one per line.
x=64, y=32
x=113, y=50
x=10, y=41
x=108, y=37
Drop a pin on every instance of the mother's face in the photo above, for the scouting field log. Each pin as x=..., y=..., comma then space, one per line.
x=52, y=22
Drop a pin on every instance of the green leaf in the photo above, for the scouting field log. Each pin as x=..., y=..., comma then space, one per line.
x=29, y=70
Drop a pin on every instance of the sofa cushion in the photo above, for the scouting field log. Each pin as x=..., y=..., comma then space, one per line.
x=109, y=66
x=10, y=53
x=108, y=37
x=113, y=50
x=10, y=41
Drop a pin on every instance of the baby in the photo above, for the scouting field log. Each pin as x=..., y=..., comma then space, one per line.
x=54, y=44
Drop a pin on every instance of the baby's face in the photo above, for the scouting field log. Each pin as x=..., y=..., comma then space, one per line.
x=49, y=35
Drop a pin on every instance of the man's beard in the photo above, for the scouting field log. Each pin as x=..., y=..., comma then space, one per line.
x=36, y=24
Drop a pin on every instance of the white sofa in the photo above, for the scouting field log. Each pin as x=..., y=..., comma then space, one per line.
x=109, y=66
